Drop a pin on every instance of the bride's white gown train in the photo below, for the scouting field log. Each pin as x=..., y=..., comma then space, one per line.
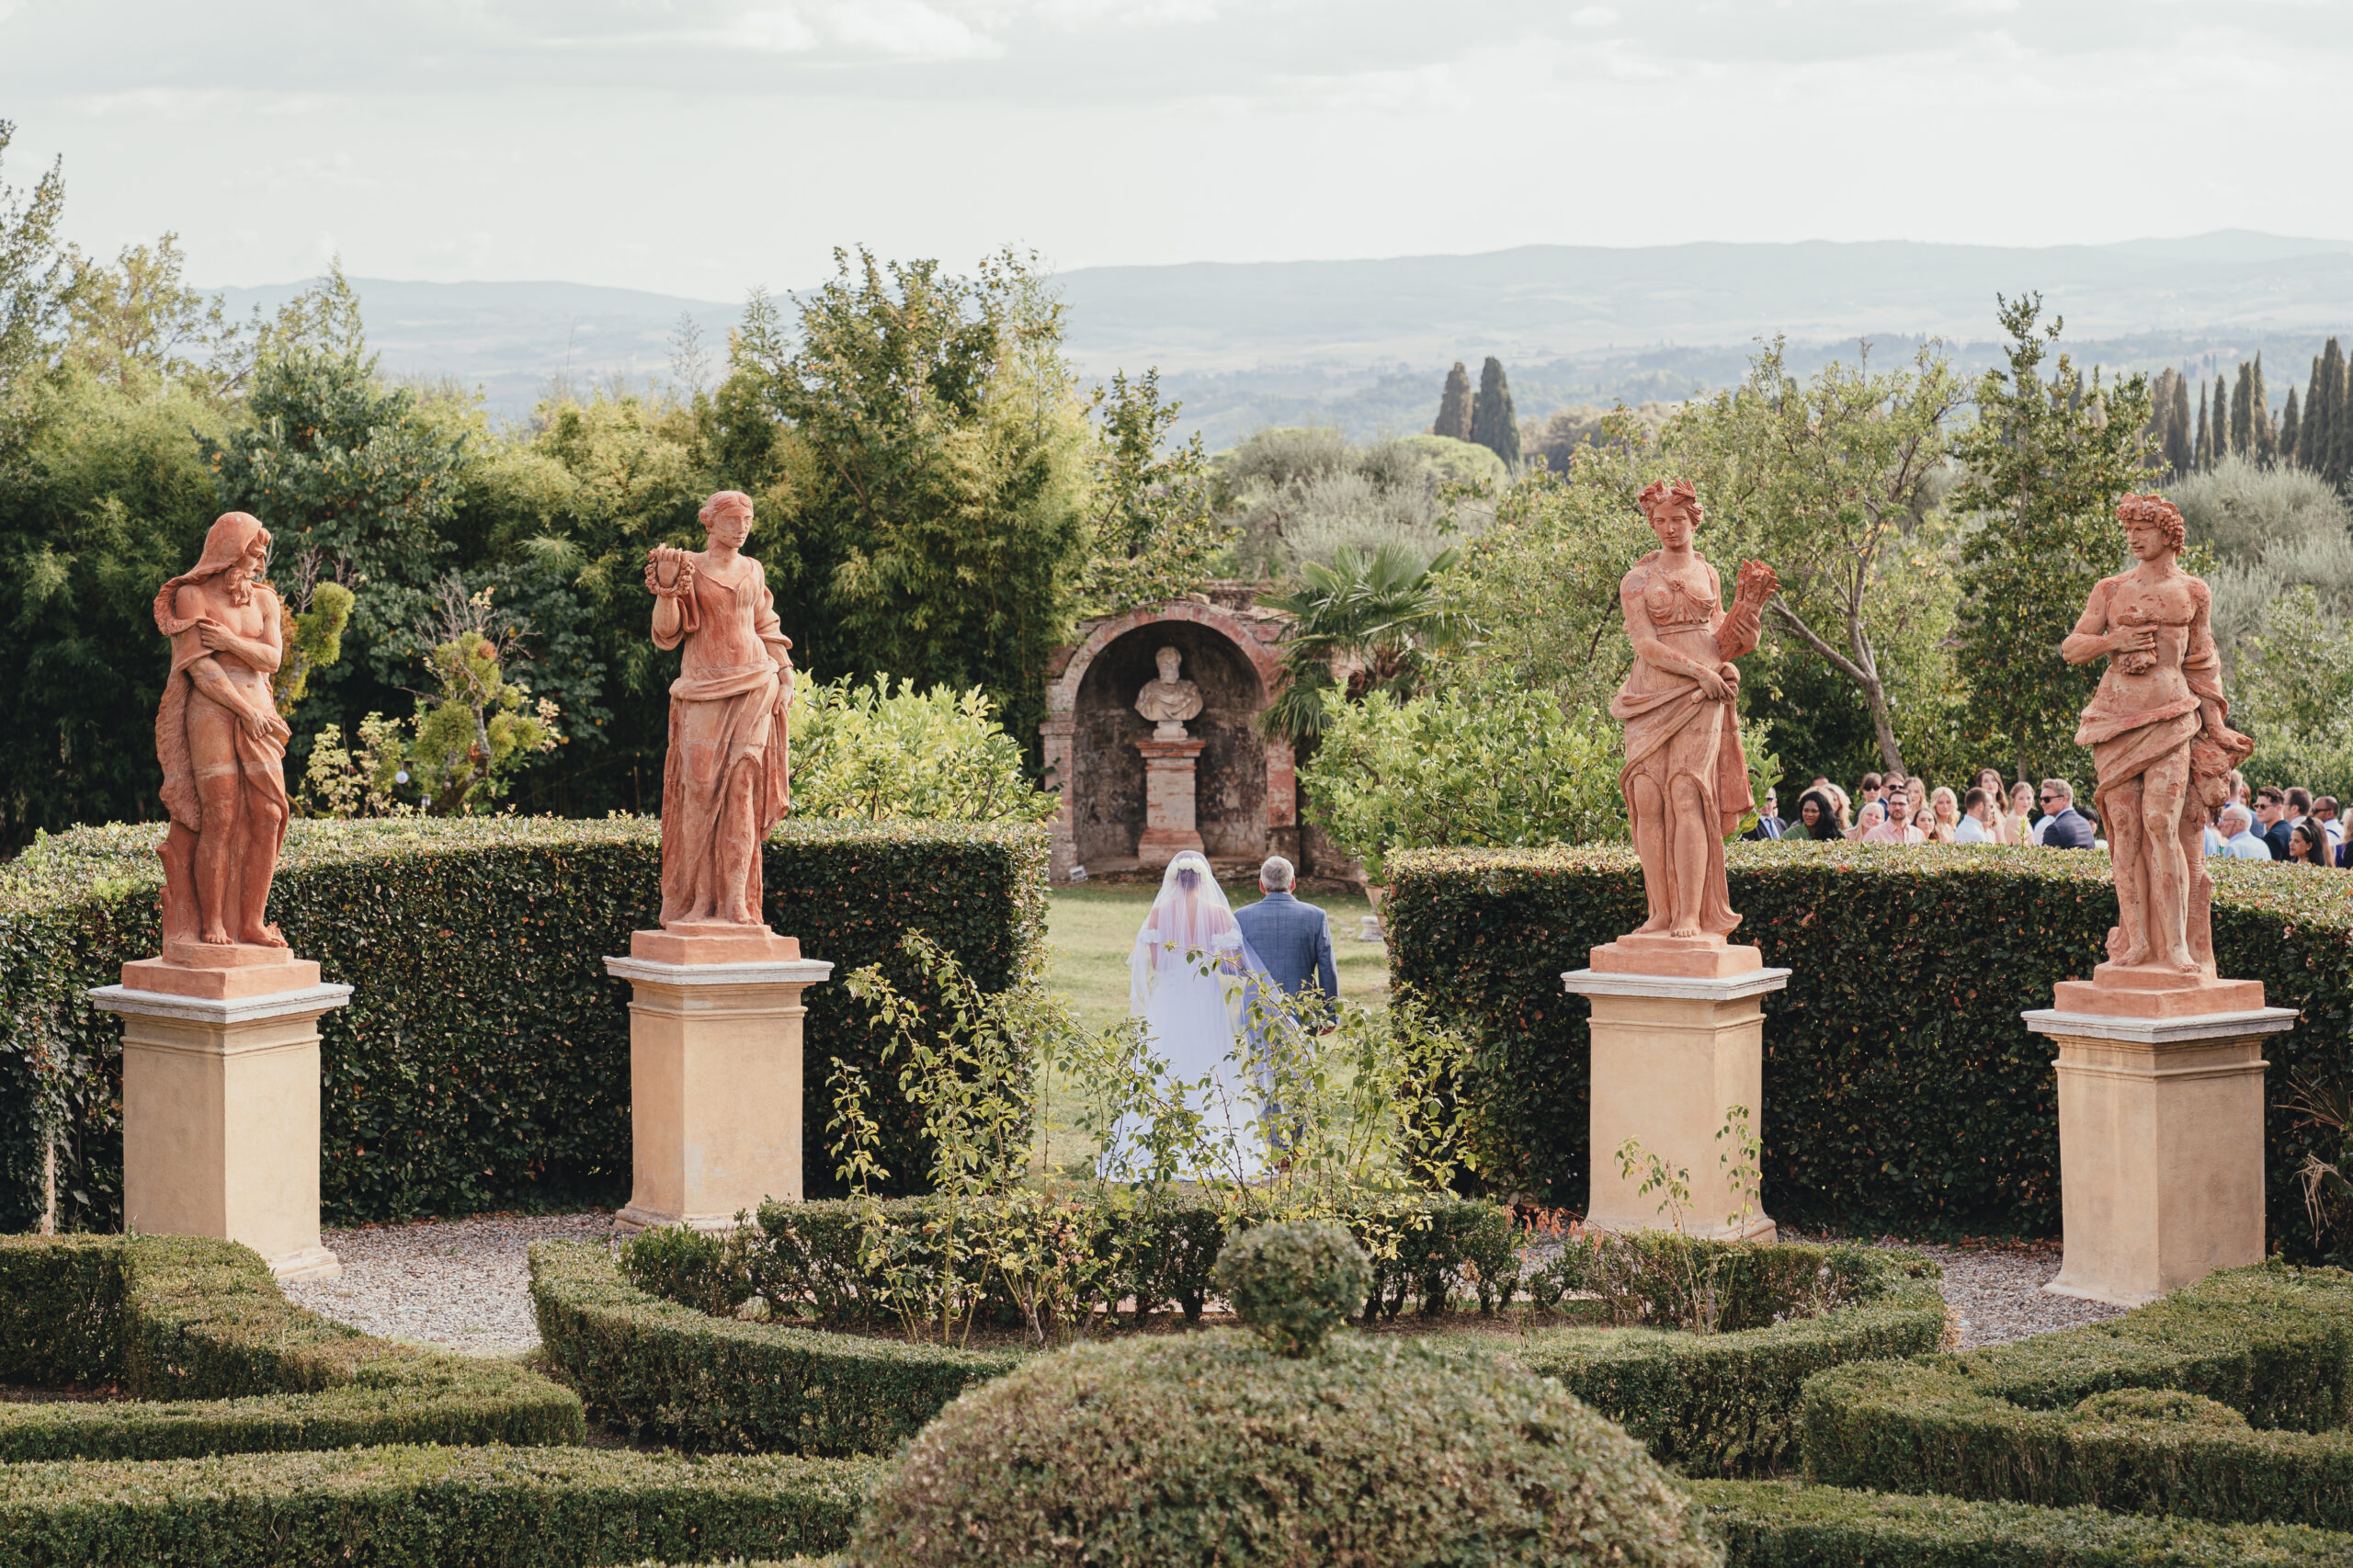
x=1187, y=977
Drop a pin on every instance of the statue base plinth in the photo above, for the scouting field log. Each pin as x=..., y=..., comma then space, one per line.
x=1672, y=1056
x=1169, y=826
x=220, y=1105
x=2149, y=991
x=2160, y=1145
x=713, y=941
x=1698, y=957
x=220, y=971
x=714, y=1078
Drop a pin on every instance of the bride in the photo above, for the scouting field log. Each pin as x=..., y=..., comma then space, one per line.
x=1189, y=978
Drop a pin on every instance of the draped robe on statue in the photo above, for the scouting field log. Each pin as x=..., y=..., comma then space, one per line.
x=1674, y=731
x=728, y=723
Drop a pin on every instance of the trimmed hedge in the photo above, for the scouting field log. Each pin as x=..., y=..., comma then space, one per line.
x=668, y=1372
x=1770, y=1524
x=1445, y=1249
x=219, y=1362
x=427, y=1507
x=2228, y=1400
x=483, y=1062
x=1728, y=1403
x=1902, y=1091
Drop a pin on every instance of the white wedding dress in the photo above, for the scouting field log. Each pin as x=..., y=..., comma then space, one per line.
x=1189, y=976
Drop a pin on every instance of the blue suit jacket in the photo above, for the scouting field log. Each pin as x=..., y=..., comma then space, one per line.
x=1293, y=940
x=2068, y=831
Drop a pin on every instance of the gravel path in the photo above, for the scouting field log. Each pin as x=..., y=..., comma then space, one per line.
x=459, y=1283
x=463, y=1283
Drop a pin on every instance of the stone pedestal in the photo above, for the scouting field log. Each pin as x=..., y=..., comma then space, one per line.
x=2160, y=1144
x=220, y=1101
x=1672, y=1054
x=1168, y=779
x=715, y=1071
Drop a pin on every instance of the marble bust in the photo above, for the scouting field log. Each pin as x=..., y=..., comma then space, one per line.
x=1169, y=702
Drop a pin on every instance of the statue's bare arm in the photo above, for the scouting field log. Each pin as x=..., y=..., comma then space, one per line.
x=1651, y=650
x=2092, y=639
x=263, y=654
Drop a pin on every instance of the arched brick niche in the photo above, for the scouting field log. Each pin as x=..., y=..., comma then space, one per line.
x=1245, y=799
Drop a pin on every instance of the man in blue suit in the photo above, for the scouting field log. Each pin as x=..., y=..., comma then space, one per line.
x=1293, y=940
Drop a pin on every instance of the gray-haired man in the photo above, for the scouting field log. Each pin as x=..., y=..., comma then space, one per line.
x=1293, y=940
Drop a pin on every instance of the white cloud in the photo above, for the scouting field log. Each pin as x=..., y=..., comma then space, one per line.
x=1593, y=16
x=778, y=29
x=908, y=30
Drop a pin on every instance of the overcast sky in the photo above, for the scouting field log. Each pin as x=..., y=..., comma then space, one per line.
x=700, y=146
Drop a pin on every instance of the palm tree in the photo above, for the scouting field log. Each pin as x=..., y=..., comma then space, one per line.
x=1376, y=618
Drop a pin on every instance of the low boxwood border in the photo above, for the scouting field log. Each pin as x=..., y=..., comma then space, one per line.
x=1729, y=1403
x=219, y=1362
x=409, y=1507
x=2273, y=1343
x=1769, y=1524
x=703, y=1383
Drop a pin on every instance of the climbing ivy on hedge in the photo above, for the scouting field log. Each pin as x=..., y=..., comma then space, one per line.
x=483, y=1062
x=1901, y=1089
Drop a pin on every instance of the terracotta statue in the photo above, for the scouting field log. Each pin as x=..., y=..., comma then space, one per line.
x=1168, y=701
x=2161, y=744
x=1685, y=779
x=222, y=743
x=725, y=784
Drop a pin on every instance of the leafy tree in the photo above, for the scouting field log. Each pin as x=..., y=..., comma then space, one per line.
x=2047, y=461
x=861, y=750
x=1454, y=407
x=1484, y=763
x=135, y=324
x=1360, y=625
x=1158, y=532
x=935, y=474
x=1838, y=477
x=1494, y=424
x=34, y=273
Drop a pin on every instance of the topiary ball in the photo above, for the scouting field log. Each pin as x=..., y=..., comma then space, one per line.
x=1167, y=1453
x=1294, y=1282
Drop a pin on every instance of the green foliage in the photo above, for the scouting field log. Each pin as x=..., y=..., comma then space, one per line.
x=218, y=1361
x=34, y=274
x=1392, y=775
x=711, y=1272
x=423, y=1507
x=1454, y=422
x=2046, y=462
x=1157, y=534
x=1923, y=1108
x=1363, y=624
x=936, y=472
x=313, y=637
x=137, y=326
x=860, y=750
x=1146, y=1451
x=1463, y=463
x=669, y=1373
x=484, y=1062
x=1728, y=1403
x=2094, y=1414
x=1773, y=1524
x=1494, y=423
x=1294, y=1282
x=1304, y=495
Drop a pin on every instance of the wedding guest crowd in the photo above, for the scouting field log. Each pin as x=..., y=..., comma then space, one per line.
x=2269, y=823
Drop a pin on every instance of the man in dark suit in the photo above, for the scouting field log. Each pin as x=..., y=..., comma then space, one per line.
x=1293, y=940
x=2274, y=822
x=2067, y=829
x=1769, y=819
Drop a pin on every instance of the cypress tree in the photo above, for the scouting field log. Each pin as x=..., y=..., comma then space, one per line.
x=2242, y=415
x=2266, y=434
x=2221, y=419
x=2287, y=431
x=2325, y=425
x=2204, y=457
x=1454, y=405
x=2180, y=454
x=1493, y=425
x=2308, y=437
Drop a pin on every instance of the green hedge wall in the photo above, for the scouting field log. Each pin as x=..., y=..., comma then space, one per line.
x=1769, y=1524
x=219, y=1361
x=676, y=1375
x=2228, y=1400
x=1728, y=1403
x=427, y=1507
x=483, y=1062
x=1901, y=1090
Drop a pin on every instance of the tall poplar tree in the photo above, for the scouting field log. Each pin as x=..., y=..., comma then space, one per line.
x=2223, y=445
x=2204, y=458
x=2289, y=433
x=2047, y=461
x=1454, y=407
x=2180, y=455
x=1494, y=424
x=2266, y=434
x=2330, y=440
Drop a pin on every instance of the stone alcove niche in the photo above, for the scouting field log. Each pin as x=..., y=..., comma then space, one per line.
x=1246, y=798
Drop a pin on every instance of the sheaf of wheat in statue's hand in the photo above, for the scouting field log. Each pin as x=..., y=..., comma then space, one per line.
x=1756, y=583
